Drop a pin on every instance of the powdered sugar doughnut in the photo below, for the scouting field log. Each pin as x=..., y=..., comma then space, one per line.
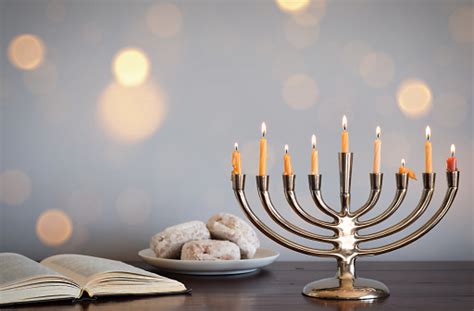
x=210, y=250
x=225, y=226
x=168, y=243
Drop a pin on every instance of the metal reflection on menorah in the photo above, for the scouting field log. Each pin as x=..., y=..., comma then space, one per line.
x=346, y=224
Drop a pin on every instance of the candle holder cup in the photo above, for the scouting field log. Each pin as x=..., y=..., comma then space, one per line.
x=345, y=225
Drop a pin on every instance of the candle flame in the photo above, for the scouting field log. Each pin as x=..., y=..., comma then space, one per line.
x=403, y=162
x=428, y=133
x=344, y=122
x=313, y=141
x=453, y=150
x=286, y=148
x=264, y=129
x=236, y=146
x=377, y=132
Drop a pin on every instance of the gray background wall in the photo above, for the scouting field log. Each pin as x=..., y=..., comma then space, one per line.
x=217, y=69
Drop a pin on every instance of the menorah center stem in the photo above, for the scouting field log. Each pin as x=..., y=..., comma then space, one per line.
x=345, y=204
x=346, y=269
x=346, y=235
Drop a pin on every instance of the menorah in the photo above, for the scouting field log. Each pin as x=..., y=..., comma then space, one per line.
x=346, y=225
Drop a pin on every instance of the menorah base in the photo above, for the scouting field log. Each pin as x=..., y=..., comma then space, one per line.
x=349, y=289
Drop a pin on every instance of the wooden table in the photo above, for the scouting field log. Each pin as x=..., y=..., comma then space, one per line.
x=446, y=286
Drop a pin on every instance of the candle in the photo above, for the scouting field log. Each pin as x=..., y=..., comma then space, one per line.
x=287, y=169
x=314, y=157
x=405, y=170
x=451, y=162
x=377, y=147
x=263, y=152
x=402, y=169
x=428, y=152
x=236, y=165
x=345, y=135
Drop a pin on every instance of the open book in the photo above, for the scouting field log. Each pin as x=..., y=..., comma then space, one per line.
x=69, y=276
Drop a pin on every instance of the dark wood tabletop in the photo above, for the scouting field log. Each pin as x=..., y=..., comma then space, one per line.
x=430, y=286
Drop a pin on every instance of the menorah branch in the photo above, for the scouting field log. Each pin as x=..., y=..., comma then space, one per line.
x=453, y=183
x=426, y=196
x=400, y=194
x=238, y=184
x=262, y=186
x=289, y=187
x=315, y=189
x=375, y=189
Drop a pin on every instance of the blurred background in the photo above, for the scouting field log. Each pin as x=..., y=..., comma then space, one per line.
x=118, y=118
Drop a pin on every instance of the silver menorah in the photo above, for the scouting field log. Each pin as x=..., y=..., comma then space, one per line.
x=345, y=225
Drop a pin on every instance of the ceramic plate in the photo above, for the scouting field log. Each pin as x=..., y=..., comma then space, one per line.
x=263, y=257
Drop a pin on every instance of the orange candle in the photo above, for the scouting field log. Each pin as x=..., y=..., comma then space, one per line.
x=402, y=169
x=377, y=149
x=287, y=169
x=263, y=152
x=405, y=170
x=345, y=135
x=451, y=162
x=314, y=157
x=428, y=152
x=236, y=165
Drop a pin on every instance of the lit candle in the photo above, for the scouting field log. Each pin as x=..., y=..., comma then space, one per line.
x=314, y=157
x=377, y=148
x=428, y=152
x=287, y=169
x=263, y=152
x=402, y=169
x=236, y=165
x=405, y=170
x=451, y=163
x=345, y=135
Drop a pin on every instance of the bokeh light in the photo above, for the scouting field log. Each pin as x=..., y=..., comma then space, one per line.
x=133, y=206
x=300, y=91
x=26, y=51
x=165, y=20
x=377, y=69
x=292, y=6
x=131, y=67
x=15, y=187
x=300, y=37
x=54, y=227
x=312, y=14
x=55, y=10
x=42, y=80
x=414, y=98
x=450, y=109
x=131, y=114
x=461, y=24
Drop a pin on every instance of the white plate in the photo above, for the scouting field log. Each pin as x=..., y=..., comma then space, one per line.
x=263, y=257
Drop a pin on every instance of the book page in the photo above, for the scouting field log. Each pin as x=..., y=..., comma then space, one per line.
x=104, y=276
x=83, y=268
x=16, y=268
x=24, y=280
